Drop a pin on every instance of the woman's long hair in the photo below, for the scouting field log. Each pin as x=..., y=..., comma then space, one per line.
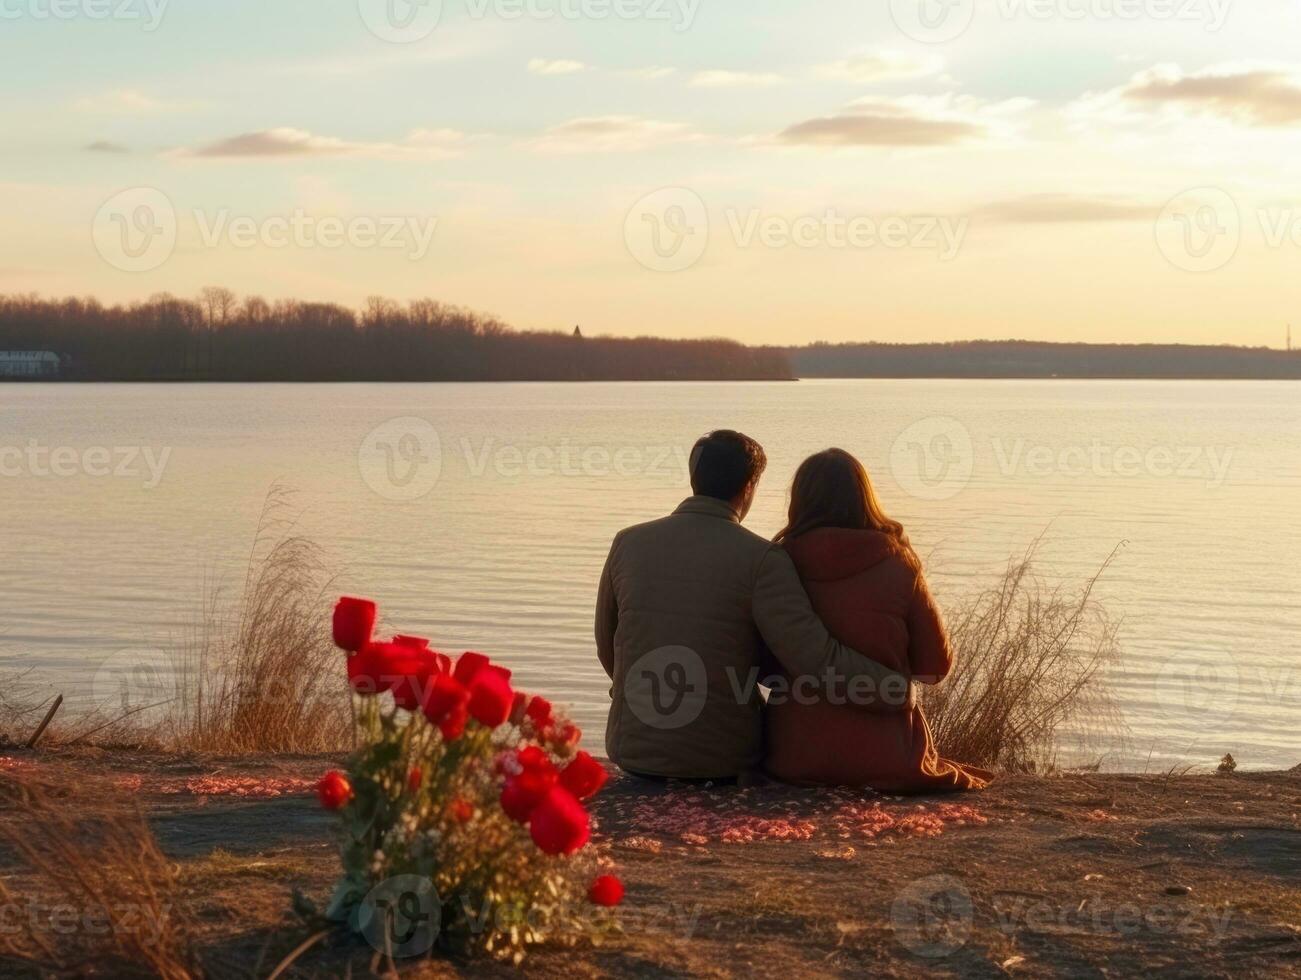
x=832, y=489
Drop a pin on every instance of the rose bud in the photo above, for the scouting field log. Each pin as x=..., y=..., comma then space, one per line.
x=334, y=791
x=519, y=708
x=606, y=890
x=354, y=623
x=414, y=779
x=539, y=712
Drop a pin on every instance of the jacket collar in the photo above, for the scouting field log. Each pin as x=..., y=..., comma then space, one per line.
x=709, y=507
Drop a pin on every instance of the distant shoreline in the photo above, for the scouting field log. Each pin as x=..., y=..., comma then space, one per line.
x=1037, y=360
x=219, y=338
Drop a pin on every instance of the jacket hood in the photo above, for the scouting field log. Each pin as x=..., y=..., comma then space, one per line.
x=829, y=554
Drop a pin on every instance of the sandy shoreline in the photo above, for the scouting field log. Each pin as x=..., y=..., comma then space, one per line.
x=1077, y=875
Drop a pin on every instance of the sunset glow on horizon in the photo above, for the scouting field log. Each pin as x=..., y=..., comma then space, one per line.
x=913, y=170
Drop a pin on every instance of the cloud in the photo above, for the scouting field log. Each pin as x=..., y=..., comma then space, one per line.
x=425, y=144
x=906, y=121
x=879, y=129
x=735, y=79
x=880, y=66
x=105, y=146
x=654, y=73
x=1068, y=209
x=1253, y=97
x=1244, y=94
x=125, y=102
x=611, y=134
x=542, y=66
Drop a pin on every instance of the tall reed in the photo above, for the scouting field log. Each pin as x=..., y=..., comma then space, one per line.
x=1029, y=661
x=261, y=673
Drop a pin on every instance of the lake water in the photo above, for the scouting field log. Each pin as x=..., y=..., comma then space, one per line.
x=480, y=516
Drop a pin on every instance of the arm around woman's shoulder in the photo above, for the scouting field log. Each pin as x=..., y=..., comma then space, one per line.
x=929, y=653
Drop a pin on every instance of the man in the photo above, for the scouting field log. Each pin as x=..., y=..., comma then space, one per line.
x=685, y=606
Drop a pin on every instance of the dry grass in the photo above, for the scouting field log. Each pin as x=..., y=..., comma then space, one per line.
x=262, y=674
x=1028, y=662
x=96, y=888
x=20, y=708
x=24, y=703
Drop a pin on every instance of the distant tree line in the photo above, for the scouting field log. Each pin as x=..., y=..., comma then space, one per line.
x=220, y=337
x=1029, y=359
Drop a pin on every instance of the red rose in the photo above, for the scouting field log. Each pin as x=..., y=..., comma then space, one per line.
x=453, y=724
x=606, y=890
x=519, y=800
x=334, y=791
x=366, y=671
x=469, y=664
x=559, y=824
x=445, y=695
x=462, y=811
x=522, y=793
x=583, y=777
x=417, y=676
x=354, y=623
x=532, y=757
x=539, y=712
x=491, y=696
x=394, y=662
x=517, y=707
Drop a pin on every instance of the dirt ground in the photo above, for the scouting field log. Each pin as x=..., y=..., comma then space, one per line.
x=1080, y=875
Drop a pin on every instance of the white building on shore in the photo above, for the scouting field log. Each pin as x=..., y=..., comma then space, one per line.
x=29, y=364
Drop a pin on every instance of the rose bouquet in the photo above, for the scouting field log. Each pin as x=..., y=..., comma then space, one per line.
x=467, y=788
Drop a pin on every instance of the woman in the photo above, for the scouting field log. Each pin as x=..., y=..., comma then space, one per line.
x=866, y=583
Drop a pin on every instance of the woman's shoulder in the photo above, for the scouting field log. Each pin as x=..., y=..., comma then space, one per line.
x=838, y=553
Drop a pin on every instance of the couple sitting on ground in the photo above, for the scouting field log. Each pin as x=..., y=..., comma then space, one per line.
x=834, y=618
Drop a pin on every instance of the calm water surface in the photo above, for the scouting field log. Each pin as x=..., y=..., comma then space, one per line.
x=480, y=516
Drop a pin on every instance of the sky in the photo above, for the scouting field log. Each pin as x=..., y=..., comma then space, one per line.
x=768, y=170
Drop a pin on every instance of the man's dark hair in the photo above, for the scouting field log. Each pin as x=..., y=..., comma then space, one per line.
x=724, y=463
